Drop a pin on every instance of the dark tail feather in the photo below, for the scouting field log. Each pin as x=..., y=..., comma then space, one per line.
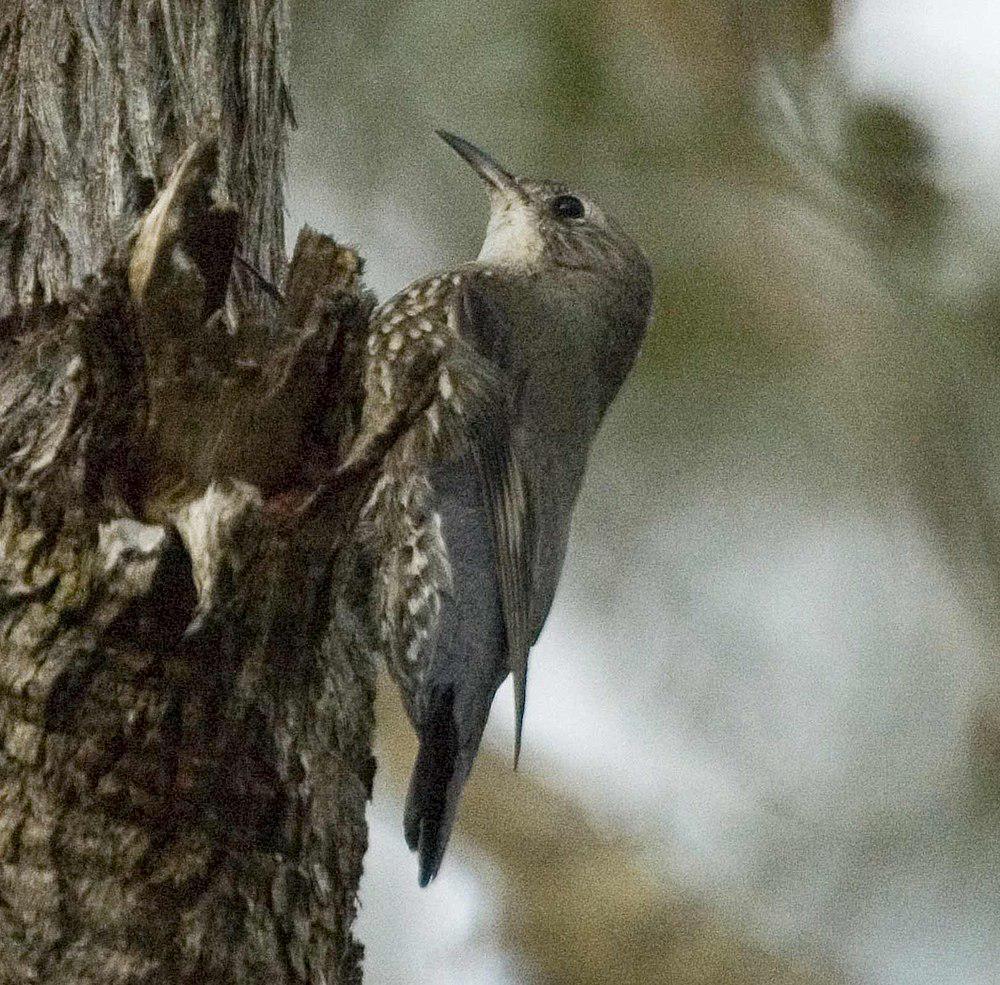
x=520, y=675
x=429, y=813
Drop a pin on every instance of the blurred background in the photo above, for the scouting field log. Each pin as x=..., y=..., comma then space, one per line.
x=763, y=730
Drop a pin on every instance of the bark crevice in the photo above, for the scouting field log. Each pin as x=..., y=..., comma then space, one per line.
x=186, y=673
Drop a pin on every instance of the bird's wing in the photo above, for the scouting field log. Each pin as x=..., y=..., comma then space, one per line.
x=490, y=428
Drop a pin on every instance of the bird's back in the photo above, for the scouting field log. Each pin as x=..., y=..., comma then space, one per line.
x=558, y=411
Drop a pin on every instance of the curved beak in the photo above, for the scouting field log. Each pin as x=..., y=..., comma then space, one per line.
x=480, y=162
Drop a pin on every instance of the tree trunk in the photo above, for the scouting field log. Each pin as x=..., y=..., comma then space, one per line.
x=186, y=680
x=100, y=97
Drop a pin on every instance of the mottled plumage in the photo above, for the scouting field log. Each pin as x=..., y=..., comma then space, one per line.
x=496, y=375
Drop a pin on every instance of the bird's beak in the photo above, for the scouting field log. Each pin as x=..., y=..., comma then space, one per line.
x=480, y=162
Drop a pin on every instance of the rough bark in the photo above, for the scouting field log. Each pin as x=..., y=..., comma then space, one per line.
x=185, y=678
x=98, y=99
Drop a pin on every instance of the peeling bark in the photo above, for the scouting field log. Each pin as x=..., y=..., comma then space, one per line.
x=186, y=681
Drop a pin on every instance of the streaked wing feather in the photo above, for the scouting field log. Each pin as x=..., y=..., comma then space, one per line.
x=490, y=429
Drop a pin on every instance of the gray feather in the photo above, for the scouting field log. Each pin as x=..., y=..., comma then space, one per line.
x=490, y=428
x=466, y=667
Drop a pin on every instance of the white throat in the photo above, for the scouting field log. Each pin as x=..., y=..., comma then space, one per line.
x=512, y=238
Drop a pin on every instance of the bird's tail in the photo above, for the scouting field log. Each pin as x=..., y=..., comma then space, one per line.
x=435, y=785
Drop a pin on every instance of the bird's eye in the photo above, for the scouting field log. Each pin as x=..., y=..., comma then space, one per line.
x=568, y=207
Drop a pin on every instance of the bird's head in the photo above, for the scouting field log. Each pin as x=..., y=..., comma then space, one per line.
x=538, y=226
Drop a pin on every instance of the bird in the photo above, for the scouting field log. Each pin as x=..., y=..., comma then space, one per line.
x=487, y=383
